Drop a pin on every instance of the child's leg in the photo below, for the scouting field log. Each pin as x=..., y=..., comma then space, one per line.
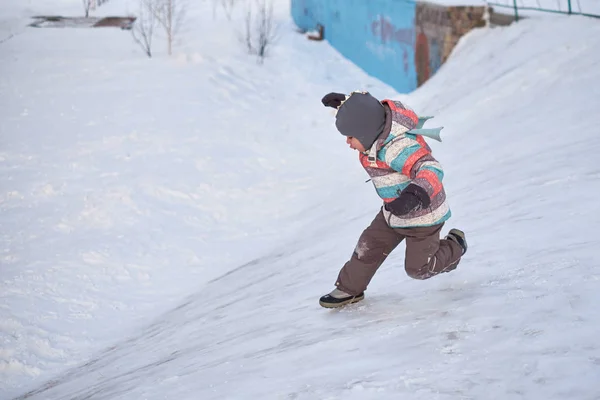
x=374, y=245
x=427, y=255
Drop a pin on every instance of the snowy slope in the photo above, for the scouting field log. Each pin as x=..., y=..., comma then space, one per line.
x=128, y=183
x=209, y=175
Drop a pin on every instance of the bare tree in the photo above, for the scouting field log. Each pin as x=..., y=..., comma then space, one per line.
x=143, y=28
x=87, y=5
x=228, y=6
x=261, y=31
x=170, y=14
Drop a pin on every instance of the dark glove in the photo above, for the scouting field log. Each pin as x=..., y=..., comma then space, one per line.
x=412, y=198
x=333, y=100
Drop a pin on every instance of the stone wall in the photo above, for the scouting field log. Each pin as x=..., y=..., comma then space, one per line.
x=438, y=29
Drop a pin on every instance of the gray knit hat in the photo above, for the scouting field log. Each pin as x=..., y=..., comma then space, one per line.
x=361, y=116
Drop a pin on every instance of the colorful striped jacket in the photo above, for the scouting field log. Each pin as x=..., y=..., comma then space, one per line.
x=398, y=158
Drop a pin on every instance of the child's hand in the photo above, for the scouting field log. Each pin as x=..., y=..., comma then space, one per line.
x=412, y=198
x=333, y=100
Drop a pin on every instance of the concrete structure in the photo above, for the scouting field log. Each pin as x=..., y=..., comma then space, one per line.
x=401, y=42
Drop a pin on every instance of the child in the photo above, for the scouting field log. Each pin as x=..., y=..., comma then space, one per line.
x=409, y=180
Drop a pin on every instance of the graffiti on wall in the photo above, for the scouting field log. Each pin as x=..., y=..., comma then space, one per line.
x=422, y=57
x=383, y=29
x=434, y=32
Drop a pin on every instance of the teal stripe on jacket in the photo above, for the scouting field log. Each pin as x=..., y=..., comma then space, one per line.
x=398, y=162
x=391, y=192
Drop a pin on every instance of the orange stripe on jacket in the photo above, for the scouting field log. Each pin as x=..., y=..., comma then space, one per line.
x=433, y=180
x=410, y=162
x=408, y=113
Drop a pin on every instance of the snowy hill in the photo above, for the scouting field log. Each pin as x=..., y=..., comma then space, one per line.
x=169, y=224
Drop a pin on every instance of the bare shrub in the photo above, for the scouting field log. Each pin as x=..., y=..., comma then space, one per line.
x=143, y=28
x=226, y=5
x=260, y=29
x=87, y=5
x=170, y=15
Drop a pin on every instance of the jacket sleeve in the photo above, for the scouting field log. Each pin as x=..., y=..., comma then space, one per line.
x=412, y=158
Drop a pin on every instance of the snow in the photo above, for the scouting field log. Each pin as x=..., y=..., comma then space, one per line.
x=168, y=224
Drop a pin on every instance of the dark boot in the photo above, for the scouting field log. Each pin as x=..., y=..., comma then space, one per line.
x=459, y=238
x=338, y=298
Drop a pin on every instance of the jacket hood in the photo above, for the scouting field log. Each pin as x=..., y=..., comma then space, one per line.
x=399, y=119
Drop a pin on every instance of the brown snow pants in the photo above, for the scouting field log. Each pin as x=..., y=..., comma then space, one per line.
x=426, y=254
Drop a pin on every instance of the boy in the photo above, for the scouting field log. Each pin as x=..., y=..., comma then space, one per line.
x=409, y=180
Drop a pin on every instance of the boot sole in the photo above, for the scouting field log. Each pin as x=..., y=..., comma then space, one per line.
x=343, y=303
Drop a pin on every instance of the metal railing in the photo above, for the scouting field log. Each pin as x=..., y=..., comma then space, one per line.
x=588, y=8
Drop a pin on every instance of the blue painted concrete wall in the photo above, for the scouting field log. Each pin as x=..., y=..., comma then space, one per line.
x=377, y=35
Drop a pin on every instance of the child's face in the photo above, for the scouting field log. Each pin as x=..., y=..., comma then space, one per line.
x=355, y=144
